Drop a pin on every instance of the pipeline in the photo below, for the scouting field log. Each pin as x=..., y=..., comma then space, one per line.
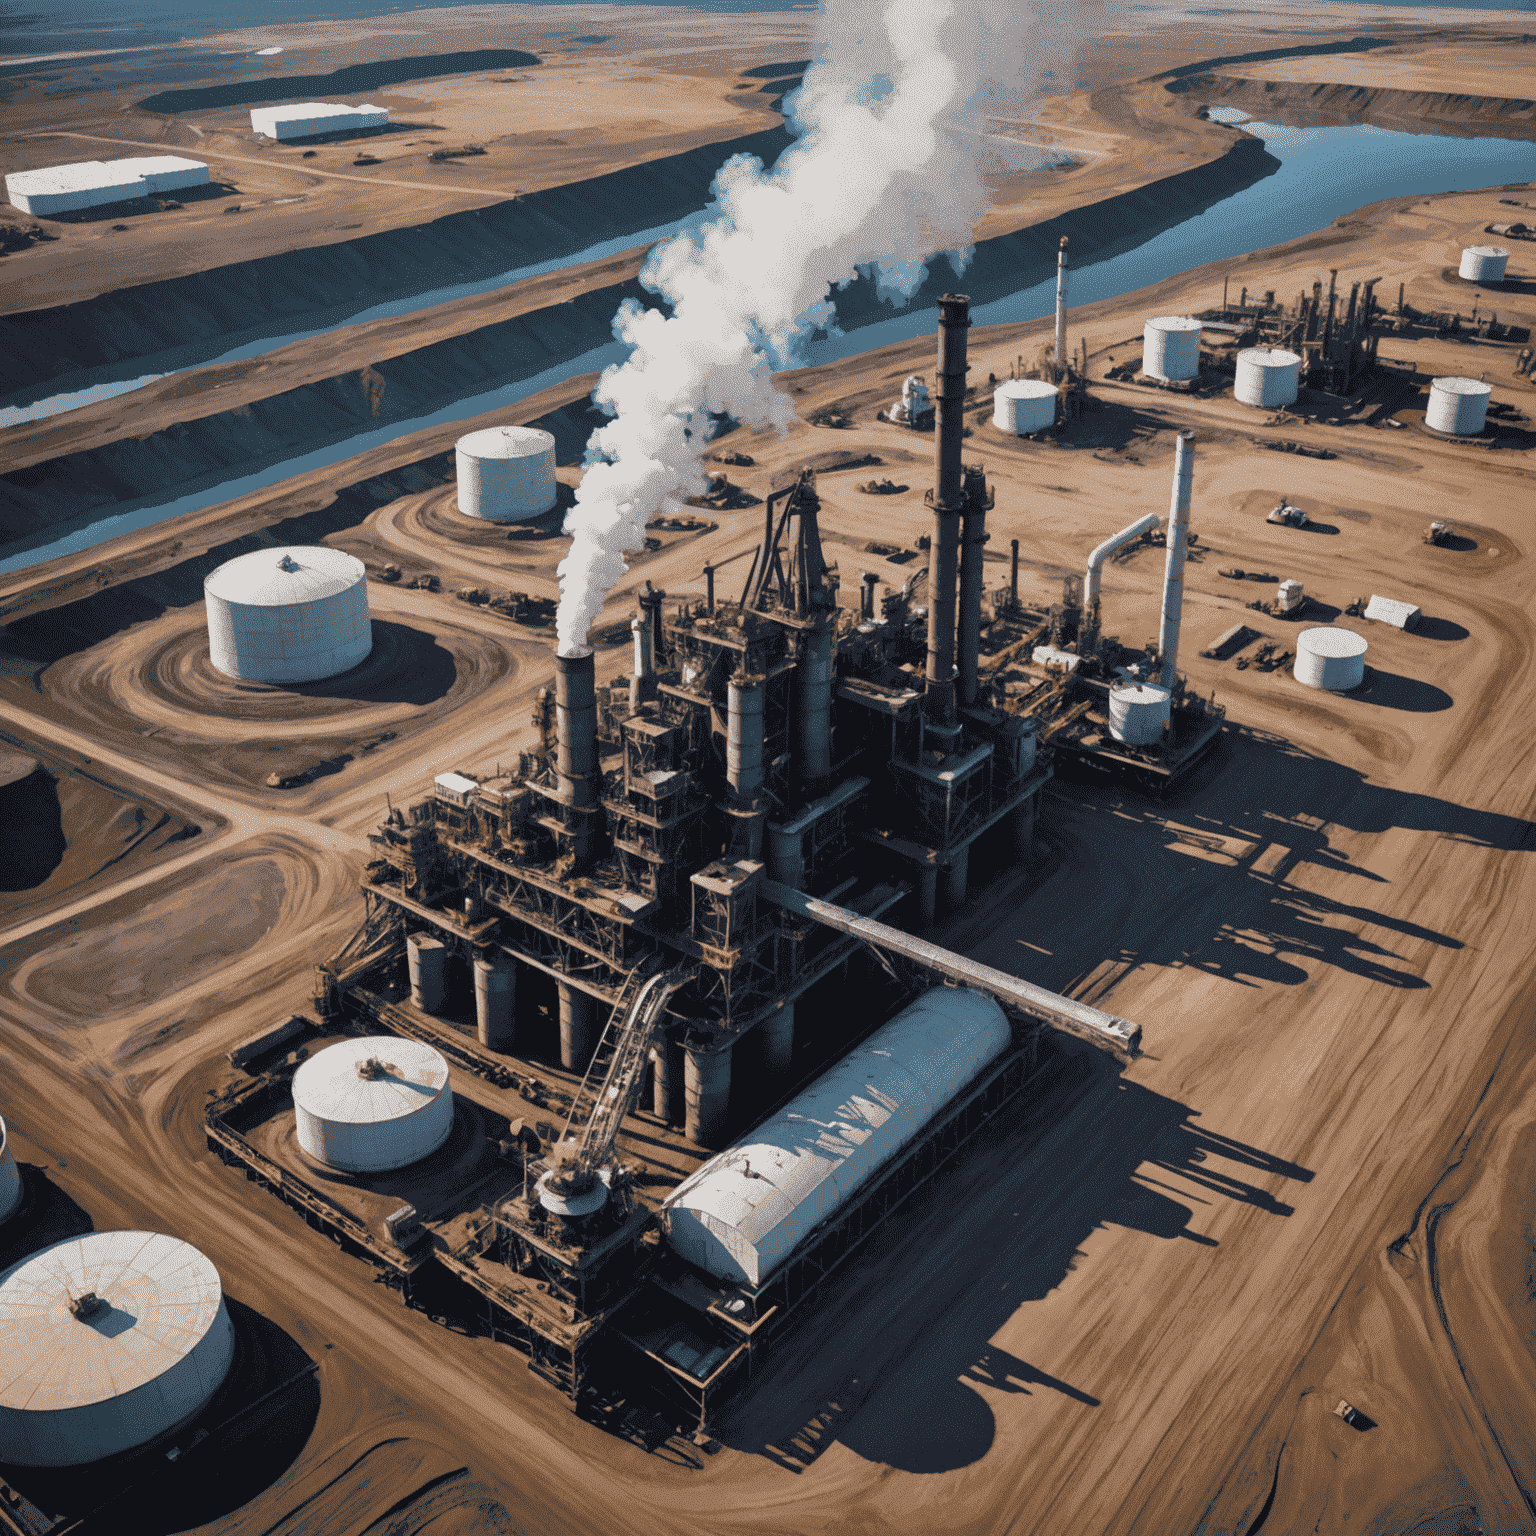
x=1105, y=550
x=1173, y=571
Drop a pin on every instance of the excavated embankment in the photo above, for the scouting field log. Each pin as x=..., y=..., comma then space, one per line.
x=56, y=494
x=324, y=285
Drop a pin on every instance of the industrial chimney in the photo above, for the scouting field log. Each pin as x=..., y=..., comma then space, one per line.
x=947, y=500
x=1061, y=308
x=1178, y=538
x=576, y=763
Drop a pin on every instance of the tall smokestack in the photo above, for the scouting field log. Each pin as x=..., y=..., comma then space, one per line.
x=642, y=682
x=1061, y=307
x=973, y=552
x=576, y=750
x=1178, y=538
x=947, y=498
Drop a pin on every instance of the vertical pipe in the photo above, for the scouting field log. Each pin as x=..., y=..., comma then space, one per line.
x=667, y=1080
x=495, y=1003
x=576, y=748
x=776, y=1037
x=814, y=716
x=707, y=1092
x=956, y=876
x=427, y=965
x=744, y=752
x=709, y=589
x=578, y=1027
x=1173, y=571
x=1013, y=578
x=948, y=496
x=642, y=682
x=973, y=553
x=1061, y=308
x=867, y=597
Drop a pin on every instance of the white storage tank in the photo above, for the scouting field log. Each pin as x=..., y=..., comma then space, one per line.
x=1024, y=405
x=1267, y=377
x=288, y=615
x=1459, y=406
x=366, y=1106
x=1170, y=347
x=506, y=474
x=1484, y=263
x=10, y=1178
x=107, y=1341
x=1139, y=713
x=1330, y=658
x=746, y=1211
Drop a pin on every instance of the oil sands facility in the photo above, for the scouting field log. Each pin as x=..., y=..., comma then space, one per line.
x=675, y=897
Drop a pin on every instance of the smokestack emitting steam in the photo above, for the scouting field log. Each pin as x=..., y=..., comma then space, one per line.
x=884, y=174
x=1178, y=538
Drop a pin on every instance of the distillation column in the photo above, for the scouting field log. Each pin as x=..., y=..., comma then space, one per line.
x=947, y=499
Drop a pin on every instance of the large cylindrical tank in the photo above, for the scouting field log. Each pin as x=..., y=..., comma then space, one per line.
x=365, y=1106
x=1024, y=405
x=1330, y=658
x=10, y=1177
x=1170, y=347
x=1267, y=377
x=506, y=474
x=107, y=1341
x=1484, y=263
x=1138, y=713
x=745, y=1212
x=288, y=615
x=1458, y=405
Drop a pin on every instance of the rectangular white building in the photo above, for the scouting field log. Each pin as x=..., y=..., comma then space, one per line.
x=1388, y=610
x=90, y=183
x=311, y=117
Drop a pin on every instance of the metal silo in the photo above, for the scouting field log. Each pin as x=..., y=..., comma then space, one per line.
x=1267, y=377
x=1024, y=405
x=1170, y=347
x=1459, y=406
x=108, y=1341
x=288, y=615
x=1139, y=713
x=1484, y=263
x=506, y=474
x=365, y=1106
x=1330, y=658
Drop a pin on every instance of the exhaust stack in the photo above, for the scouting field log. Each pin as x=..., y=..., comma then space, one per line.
x=576, y=765
x=973, y=553
x=1061, y=308
x=947, y=500
x=1178, y=538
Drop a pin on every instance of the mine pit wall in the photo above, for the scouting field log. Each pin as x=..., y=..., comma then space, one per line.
x=57, y=493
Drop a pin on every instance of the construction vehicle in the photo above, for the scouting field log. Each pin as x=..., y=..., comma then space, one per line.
x=1440, y=533
x=1356, y=608
x=1287, y=515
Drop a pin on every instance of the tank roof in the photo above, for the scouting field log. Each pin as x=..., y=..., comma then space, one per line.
x=280, y=578
x=155, y=1299
x=1268, y=357
x=1141, y=693
x=1025, y=389
x=370, y=1081
x=1486, y=250
x=1459, y=386
x=508, y=442
x=1176, y=323
x=1331, y=642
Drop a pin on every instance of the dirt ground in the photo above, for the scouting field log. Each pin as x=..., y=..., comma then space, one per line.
x=1135, y=1306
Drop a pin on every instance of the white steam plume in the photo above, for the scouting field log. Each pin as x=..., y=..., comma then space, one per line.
x=885, y=172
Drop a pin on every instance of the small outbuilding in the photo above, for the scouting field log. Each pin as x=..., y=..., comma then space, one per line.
x=1388, y=610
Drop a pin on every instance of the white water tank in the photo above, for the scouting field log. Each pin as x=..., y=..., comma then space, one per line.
x=288, y=615
x=10, y=1178
x=506, y=474
x=1484, y=263
x=1267, y=377
x=1330, y=658
x=107, y=1341
x=1024, y=405
x=1458, y=405
x=1138, y=713
x=1170, y=347
x=365, y=1106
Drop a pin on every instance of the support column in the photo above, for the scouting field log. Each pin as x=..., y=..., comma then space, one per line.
x=667, y=1080
x=707, y=1090
x=1022, y=825
x=956, y=874
x=578, y=1027
x=927, y=894
x=776, y=1035
x=496, y=1003
x=427, y=962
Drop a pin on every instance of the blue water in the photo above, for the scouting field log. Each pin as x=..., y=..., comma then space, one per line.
x=1324, y=172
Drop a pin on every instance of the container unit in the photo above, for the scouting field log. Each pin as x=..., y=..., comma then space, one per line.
x=1458, y=406
x=91, y=183
x=506, y=474
x=745, y=1212
x=10, y=1178
x=302, y=119
x=1170, y=347
x=1139, y=713
x=1024, y=405
x=1267, y=377
x=1484, y=263
x=1330, y=658
x=288, y=615
x=1389, y=610
x=108, y=1341
x=369, y=1105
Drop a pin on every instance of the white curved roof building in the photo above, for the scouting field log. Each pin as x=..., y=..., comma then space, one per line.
x=747, y=1210
x=506, y=474
x=106, y=1342
x=365, y=1106
x=288, y=615
x=10, y=1178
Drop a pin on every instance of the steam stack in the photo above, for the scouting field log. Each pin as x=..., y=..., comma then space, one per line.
x=1178, y=538
x=576, y=751
x=972, y=577
x=947, y=500
x=1061, y=308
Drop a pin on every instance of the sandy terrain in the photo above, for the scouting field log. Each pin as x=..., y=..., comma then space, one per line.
x=1483, y=71
x=1133, y=1307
